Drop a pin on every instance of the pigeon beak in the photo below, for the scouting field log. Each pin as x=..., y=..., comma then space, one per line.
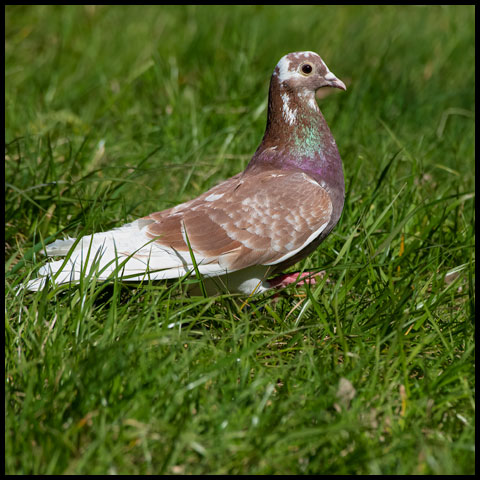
x=333, y=81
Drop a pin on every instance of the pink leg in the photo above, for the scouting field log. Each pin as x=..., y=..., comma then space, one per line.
x=288, y=278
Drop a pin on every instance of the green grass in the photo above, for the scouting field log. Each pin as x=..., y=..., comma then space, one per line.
x=115, y=112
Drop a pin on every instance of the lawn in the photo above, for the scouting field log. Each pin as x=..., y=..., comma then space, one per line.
x=112, y=113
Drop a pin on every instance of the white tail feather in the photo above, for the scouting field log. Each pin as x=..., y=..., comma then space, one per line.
x=59, y=247
x=125, y=252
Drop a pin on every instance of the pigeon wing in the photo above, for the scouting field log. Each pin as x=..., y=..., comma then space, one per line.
x=260, y=219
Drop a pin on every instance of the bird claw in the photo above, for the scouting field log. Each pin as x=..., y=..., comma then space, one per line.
x=298, y=278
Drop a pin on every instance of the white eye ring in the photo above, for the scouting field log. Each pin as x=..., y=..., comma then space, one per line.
x=306, y=69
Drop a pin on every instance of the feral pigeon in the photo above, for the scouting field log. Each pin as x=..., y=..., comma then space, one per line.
x=245, y=229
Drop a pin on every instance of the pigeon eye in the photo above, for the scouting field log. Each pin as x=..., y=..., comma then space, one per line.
x=307, y=69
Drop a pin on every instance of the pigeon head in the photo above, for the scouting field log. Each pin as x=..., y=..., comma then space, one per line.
x=305, y=72
x=292, y=105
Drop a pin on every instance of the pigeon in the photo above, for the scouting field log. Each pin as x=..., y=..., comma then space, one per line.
x=246, y=229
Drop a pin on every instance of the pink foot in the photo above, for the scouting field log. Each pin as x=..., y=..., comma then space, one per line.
x=288, y=278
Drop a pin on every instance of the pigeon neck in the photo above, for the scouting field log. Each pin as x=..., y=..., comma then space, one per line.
x=297, y=137
x=295, y=119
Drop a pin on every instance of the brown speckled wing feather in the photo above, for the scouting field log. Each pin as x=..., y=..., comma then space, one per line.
x=260, y=219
